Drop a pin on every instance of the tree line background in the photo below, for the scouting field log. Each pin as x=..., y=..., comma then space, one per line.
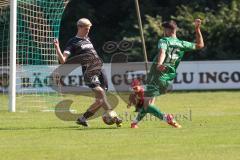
x=116, y=20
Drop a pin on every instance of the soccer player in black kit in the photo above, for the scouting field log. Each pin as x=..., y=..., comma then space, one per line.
x=80, y=50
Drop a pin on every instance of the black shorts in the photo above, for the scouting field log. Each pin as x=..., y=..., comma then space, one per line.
x=97, y=79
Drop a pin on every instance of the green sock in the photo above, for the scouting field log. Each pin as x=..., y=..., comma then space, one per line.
x=140, y=115
x=152, y=109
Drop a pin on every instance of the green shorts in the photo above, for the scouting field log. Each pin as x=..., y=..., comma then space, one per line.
x=156, y=87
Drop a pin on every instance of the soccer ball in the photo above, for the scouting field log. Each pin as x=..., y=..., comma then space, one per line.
x=107, y=119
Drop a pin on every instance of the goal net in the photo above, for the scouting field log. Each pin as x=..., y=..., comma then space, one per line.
x=38, y=23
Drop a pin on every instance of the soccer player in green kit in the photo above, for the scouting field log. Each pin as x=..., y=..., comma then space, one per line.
x=163, y=70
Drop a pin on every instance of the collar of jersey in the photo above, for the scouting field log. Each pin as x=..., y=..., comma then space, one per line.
x=81, y=37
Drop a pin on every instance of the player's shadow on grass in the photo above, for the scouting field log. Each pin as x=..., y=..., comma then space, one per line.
x=77, y=127
x=94, y=128
x=63, y=109
x=37, y=128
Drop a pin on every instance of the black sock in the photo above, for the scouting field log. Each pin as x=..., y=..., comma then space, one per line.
x=88, y=114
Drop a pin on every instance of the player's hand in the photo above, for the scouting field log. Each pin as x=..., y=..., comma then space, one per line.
x=161, y=68
x=56, y=43
x=198, y=23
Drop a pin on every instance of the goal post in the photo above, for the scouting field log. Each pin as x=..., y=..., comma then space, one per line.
x=13, y=47
x=28, y=28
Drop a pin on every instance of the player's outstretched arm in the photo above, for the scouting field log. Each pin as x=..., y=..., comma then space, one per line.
x=199, y=38
x=62, y=57
x=161, y=58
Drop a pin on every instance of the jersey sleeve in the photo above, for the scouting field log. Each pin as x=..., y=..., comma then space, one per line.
x=162, y=44
x=188, y=46
x=69, y=47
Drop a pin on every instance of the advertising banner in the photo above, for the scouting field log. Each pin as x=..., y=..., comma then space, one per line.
x=197, y=75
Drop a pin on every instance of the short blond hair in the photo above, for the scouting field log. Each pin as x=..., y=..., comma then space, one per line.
x=84, y=22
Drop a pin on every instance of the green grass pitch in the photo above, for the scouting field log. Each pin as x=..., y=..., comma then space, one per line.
x=210, y=120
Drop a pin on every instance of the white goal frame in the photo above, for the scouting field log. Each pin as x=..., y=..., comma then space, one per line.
x=13, y=46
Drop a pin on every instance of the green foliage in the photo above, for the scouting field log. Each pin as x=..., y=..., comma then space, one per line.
x=115, y=20
x=220, y=28
x=152, y=32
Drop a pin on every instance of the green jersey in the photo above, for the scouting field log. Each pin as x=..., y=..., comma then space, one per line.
x=174, y=50
x=157, y=81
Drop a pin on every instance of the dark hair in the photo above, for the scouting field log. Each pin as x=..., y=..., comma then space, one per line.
x=170, y=24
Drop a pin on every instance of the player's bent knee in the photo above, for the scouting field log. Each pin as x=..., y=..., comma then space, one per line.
x=99, y=101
